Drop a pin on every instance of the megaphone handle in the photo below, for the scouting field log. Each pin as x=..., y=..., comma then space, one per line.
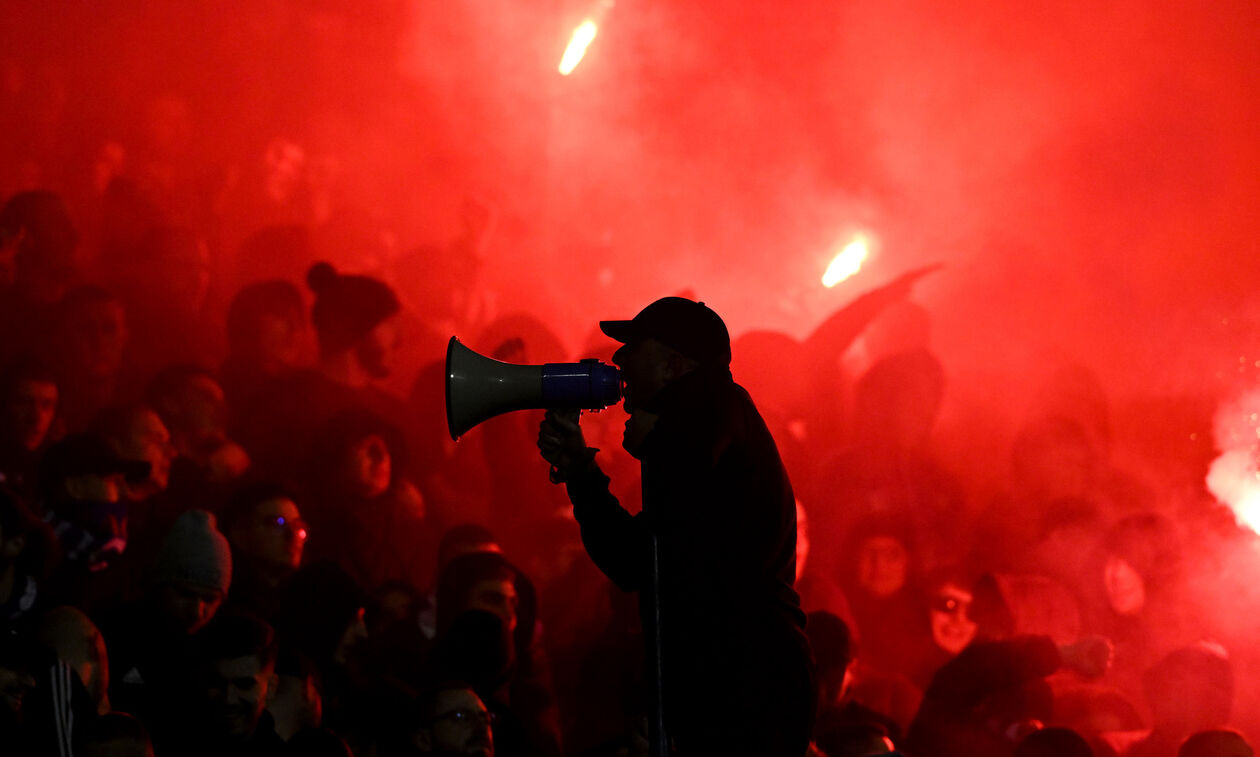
x=557, y=476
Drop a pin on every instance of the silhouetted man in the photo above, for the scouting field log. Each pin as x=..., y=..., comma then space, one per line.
x=736, y=670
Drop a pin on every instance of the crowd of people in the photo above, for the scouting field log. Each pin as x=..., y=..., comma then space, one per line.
x=219, y=535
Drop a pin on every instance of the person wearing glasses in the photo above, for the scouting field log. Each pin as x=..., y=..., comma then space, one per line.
x=268, y=537
x=949, y=600
x=454, y=721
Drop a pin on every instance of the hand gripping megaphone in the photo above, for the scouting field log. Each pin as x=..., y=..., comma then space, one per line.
x=478, y=387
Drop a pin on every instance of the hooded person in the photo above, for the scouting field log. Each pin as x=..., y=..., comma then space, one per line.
x=881, y=581
x=354, y=319
x=1139, y=596
x=949, y=598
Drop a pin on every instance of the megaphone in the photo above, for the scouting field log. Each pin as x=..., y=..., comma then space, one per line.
x=478, y=387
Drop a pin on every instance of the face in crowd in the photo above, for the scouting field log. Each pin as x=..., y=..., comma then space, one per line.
x=200, y=412
x=275, y=534
x=147, y=439
x=96, y=337
x=458, y=724
x=883, y=564
x=189, y=606
x=369, y=466
x=496, y=595
x=952, y=628
x=377, y=349
x=30, y=409
x=1126, y=591
x=237, y=690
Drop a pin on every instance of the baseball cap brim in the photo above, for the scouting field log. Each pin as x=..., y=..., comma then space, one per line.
x=622, y=331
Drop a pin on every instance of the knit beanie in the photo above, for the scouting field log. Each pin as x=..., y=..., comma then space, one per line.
x=347, y=307
x=195, y=552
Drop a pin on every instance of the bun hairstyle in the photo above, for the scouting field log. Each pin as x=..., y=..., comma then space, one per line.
x=347, y=306
x=321, y=276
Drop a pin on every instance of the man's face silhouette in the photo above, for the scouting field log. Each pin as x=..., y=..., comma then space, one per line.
x=647, y=366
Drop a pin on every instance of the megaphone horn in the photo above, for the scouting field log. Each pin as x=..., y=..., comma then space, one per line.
x=478, y=387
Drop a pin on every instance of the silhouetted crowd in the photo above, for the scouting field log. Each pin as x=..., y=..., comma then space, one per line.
x=232, y=522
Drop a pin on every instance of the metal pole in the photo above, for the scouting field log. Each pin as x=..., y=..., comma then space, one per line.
x=658, y=740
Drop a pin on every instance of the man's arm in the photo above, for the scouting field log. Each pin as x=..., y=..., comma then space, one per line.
x=616, y=541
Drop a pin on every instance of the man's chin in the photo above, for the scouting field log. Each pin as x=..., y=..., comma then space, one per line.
x=629, y=444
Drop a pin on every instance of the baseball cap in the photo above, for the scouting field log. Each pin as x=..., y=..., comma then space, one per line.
x=690, y=327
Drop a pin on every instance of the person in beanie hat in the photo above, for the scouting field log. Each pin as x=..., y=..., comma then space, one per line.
x=150, y=640
x=354, y=318
x=193, y=569
x=353, y=323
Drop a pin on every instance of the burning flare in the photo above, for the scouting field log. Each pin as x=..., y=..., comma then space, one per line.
x=1234, y=478
x=582, y=38
x=847, y=262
